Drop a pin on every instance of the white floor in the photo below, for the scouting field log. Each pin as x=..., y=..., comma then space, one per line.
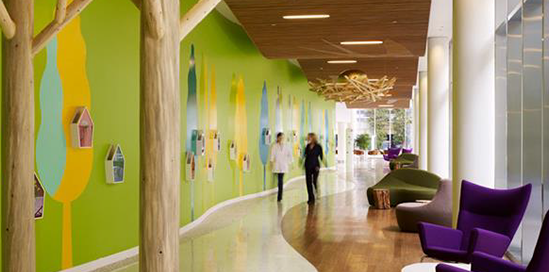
x=247, y=237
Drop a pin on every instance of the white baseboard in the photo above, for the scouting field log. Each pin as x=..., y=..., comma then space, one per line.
x=129, y=256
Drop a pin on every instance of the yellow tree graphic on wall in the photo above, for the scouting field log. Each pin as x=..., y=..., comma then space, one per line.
x=241, y=132
x=64, y=168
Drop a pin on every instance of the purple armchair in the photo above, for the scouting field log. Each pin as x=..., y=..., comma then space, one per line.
x=487, y=222
x=392, y=153
x=407, y=150
x=485, y=263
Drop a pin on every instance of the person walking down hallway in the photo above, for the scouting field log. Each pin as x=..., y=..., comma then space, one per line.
x=313, y=155
x=281, y=158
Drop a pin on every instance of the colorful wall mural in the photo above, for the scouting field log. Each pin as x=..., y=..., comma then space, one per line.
x=192, y=121
x=263, y=128
x=64, y=169
x=279, y=126
x=241, y=133
x=95, y=64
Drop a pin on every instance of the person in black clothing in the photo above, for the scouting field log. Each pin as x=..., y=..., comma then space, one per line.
x=313, y=155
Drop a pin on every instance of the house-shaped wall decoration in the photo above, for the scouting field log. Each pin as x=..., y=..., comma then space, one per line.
x=267, y=136
x=215, y=137
x=232, y=151
x=199, y=143
x=114, y=165
x=246, y=163
x=39, y=198
x=190, y=167
x=210, y=167
x=217, y=142
x=294, y=136
x=82, y=129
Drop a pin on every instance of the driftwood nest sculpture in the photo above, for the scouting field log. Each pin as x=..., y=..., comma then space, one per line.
x=353, y=86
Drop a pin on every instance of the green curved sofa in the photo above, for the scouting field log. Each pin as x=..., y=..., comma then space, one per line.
x=407, y=185
x=406, y=160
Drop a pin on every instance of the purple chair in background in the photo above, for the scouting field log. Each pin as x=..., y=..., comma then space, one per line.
x=407, y=150
x=485, y=263
x=392, y=153
x=488, y=220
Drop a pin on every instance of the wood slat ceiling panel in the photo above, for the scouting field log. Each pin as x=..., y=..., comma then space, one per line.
x=402, y=25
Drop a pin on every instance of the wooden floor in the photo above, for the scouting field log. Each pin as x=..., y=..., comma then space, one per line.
x=341, y=233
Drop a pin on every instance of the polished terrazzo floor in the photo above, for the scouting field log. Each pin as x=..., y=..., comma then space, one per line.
x=340, y=233
x=247, y=236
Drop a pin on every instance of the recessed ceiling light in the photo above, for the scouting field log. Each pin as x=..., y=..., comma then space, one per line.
x=386, y=95
x=361, y=42
x=342, y=61
x=385, y=106
x=309, y=16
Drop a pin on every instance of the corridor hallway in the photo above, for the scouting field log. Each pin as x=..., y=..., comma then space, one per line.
x=340, y=234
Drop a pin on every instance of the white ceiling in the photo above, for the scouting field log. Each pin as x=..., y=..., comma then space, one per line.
x=440, y=20
x=440, y=25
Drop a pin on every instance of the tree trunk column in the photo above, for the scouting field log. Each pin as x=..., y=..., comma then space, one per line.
x=18, y=242
x=159, y=140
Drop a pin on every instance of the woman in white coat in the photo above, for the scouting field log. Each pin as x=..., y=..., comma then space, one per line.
x=281, y=158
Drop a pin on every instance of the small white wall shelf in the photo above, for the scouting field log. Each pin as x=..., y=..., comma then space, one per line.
x=115, y=163
x=199, y=142
x=294, y=136
x=82, y=129
x=246, y=163
x=190, y=163
x=233, y=151
x=267, y=136
x=216, y=137
x=336, y=137
x=39, y=198
x=211, y=170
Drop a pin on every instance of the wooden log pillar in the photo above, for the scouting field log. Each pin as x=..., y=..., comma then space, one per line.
x=18, y=237
x=159, y=137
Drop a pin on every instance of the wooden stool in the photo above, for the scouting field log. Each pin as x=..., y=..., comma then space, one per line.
x=382, y=199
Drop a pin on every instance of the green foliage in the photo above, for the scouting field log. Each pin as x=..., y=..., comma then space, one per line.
x=363, y=141
x=386, y=117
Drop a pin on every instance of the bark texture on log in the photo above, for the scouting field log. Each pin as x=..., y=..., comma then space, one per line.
x=382, y=199
x=18, y=236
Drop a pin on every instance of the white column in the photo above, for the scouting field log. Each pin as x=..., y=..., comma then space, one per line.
x=423, y=124
x=438, y=102
x=416, y=119
x=341, y=142
x=349, y=148
x=473, y=93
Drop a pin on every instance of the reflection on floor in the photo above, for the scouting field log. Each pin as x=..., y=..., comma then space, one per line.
x=343, y=234
x=339, y=234
x=247, y=237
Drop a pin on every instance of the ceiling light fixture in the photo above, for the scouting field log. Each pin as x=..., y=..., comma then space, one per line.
x=361, y=42
x=342, y=61
x=386, y=106
x=311, y=16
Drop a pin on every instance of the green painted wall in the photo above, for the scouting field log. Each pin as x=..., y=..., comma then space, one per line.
x=105, y=217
